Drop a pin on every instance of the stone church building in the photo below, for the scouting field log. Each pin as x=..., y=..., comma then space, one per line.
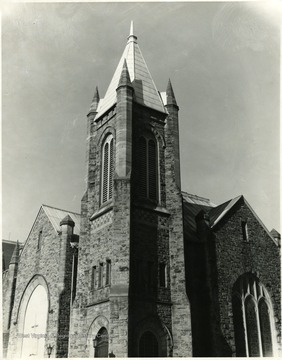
x=146, y=269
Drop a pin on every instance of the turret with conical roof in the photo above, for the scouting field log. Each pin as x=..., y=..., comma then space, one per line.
x=95, y=102
x=172, y=131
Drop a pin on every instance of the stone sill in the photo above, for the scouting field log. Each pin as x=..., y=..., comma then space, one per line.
x=103, y=210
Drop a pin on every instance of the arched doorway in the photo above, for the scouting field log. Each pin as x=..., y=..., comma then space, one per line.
x=102, y=343
x=35, y=323
x=148, y=345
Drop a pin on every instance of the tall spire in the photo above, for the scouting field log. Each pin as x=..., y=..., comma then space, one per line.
x=131, y=36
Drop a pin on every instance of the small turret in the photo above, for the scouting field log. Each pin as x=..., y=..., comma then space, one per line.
x=170, y=97
x=172, y=131
x=124, y=79
x=95, y=102
x=124, y=93
x=67, y=225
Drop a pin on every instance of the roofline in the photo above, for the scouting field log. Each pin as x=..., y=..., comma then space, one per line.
x=31, y=228
x=241, y=197
x=12, y=242
x=222, y=215
x=259, y=220
x=67, y=211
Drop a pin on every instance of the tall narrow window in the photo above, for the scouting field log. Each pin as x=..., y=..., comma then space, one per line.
x=148, y=168
x=108, y=272
x=251, y=317
x=100, y=279
x=265, y=328
x=245, y=230
x=93, y=277
x=107, y=169
x=162, y=275
x=39, y=240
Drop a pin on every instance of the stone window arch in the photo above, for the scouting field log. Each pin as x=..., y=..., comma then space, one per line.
x=107, y=169
x=31, y=320
x=151, y=337
x=102, y=343
x=252, y=317
x=96, y=332
x=148, y=167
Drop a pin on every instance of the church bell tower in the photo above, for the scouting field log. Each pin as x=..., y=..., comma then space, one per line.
x=130, y=294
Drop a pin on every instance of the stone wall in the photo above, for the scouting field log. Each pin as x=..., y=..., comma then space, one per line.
x=235, y=256
x=42, y=266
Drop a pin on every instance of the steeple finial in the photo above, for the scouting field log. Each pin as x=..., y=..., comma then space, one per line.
x=131, y=36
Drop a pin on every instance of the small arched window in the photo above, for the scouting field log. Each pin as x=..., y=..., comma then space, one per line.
x=251, y=318
x=148, y=168
x=107, y=169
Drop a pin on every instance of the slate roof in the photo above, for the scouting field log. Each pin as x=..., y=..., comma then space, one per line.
x=56, y=215
x=145, y=91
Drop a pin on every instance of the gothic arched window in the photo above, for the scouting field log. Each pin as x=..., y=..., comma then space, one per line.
x=251, y=318
x=148, y=345
x=107, y=169
x=148, y=168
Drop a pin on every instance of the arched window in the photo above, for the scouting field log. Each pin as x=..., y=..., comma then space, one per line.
x=102, y=343
x=148, y=168
x=251, y=318
x=107, y=169
x=148, y=345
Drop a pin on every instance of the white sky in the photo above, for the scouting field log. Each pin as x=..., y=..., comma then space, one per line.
x=223, y=60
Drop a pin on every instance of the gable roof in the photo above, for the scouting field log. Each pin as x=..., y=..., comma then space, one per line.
x=56, y=215
x=145, y=91
x=192, y=206
x=220, y=211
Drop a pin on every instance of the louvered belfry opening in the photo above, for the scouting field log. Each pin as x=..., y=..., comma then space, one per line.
x=107, y=169
x=148, y=168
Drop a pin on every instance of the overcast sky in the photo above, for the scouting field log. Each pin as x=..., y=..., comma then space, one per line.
x=223, y=60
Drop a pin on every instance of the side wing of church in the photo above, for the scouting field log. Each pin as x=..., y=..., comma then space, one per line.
x=146, y=270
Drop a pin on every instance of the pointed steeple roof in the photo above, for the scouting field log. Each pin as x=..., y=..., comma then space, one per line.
x=145, y=90
x=16, y=254
x=170, y=97
x=124, y=79
x=67, y=220
x=95, y=101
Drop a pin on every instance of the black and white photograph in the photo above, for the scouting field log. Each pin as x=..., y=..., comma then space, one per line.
x=141, y=179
